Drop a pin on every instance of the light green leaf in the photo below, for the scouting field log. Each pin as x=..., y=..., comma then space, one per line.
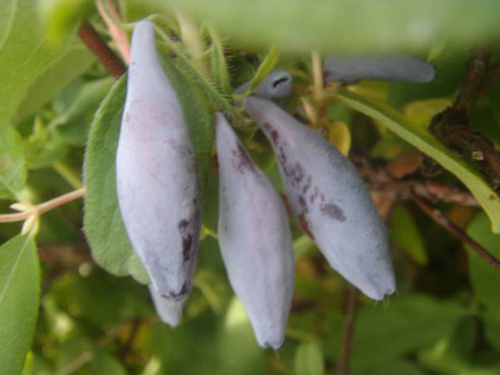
x=19, y=300
x=220, y=71
x=135, y=10
x=309, y=359
x=12, y=164
x=61, y=16
x=265, y=68
x=103, y=223
x=406, y=236
x=75, y=60
x=24, y=54
x=425, y=142
x=347, y=25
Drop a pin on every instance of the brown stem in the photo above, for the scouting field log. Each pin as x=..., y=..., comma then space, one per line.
x=443, y=221
x=105, y=54
x=346, y=350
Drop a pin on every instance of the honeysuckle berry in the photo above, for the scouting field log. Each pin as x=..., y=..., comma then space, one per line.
x=157, y=183
x=276, y=86
x=380, y=68
x=254, y=238
x=329, y=200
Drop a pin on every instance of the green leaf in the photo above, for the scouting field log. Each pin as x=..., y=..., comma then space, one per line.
x=24, y=54
x=61, y=16
x=409, y=322
x=392, y=368
x=73, y=124
x=219, y=64
x=265, y=68
x=103, y=223
x=74, y=62
x=425, y=142
x=19, y=300
x=309, y=359
x=484, y=279
x=346, y=25
x=135, y=10
x=12, y=164
x=104, y=364
x=239, y=352
x=406, y=235
x=197, y=77
x=198, y=116
x=453, y=354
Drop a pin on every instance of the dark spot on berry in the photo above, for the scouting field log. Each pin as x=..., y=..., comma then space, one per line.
x=275, y=136
x=183, y=224
x=333, y=211
x=244, y=161
x=187, y=242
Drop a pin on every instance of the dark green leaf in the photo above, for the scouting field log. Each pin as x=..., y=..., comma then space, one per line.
x=103, y=223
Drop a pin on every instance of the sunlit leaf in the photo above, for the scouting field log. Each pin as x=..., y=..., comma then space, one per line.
x=425, y=142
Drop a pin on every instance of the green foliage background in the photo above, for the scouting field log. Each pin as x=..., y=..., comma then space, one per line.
x=73, y=301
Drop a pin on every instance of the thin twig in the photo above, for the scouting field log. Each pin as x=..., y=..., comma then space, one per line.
x=112, y=18
x=44, y=207
x=443, y=221
x=346, y=349
x=382, y=180
x=105, y=54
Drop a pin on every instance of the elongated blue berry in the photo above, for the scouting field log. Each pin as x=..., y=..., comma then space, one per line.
x=157, y=182
x=381, y=68
x=254, y=238
x=329, y=200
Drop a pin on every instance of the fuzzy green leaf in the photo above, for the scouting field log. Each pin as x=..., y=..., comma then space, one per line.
x=103, y=223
